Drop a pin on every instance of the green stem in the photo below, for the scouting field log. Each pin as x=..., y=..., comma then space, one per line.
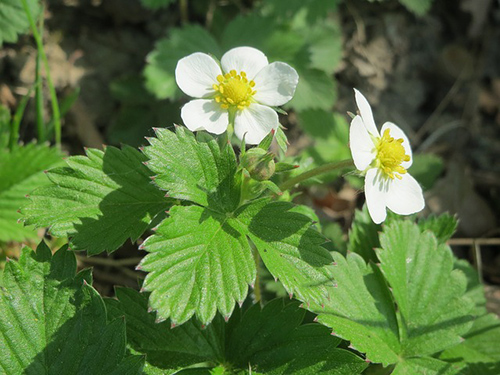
x=53, y=97
x=256, y=290
x=16, y=120
x=315, y=172
x=40, y=123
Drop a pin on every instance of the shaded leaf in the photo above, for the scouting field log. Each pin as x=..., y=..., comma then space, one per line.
x=156, y=4
x=13, y=19
x=53, y=322
x=419, y=7
x=99, y=200
x=21, y=172
x=363, y=235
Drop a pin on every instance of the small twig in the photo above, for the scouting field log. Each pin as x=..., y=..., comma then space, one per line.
x=478, y=260
x=472, y=241
x=184, y=10
x=109, y=261
x=210, y=14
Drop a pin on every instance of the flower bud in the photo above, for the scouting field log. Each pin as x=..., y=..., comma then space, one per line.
x=259, y=164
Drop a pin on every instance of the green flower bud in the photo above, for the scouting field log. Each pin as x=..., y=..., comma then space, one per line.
x=259, y=164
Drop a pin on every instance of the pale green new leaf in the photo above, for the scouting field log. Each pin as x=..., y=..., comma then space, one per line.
x=53, y=322
x=13, y=19
x=198, y=262
x=99, y=200
x=428, y=291
x=193, y=169
x=21, y=171
x=161, y=62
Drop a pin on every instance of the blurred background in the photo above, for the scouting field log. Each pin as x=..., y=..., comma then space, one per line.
x=432, y=67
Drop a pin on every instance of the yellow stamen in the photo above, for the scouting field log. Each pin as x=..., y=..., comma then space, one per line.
x=234, y=90
x=390, y=155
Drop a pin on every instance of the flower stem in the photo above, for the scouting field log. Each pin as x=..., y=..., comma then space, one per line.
x=256, y=289
x=315, y=172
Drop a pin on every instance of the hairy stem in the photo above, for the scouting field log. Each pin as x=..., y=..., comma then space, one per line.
x=315, y=172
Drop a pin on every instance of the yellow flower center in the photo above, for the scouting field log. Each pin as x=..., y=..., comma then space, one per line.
x=234, y=90
x=390, y=155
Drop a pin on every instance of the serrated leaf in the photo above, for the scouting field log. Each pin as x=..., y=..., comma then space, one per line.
x=269, y=340
x=363, y=235
x=198, y=262
x=194, y=170
x=419, y=7
x=432, y=311
x=156, y=4
x=99, y=200
x=53, y=322
x=289, y=246
x=420, y=273
x=161, y=62
x=427, y=366
x=481, y=345
x=443, y=226
x=21, y=172
x=13, y=19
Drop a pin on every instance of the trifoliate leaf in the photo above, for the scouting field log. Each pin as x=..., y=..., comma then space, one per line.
x=199, y=263
x=194, y=170
x=428, y=292
x=363, y=236
x=21, y=172
x=156, y=4
x=289, y=246
x=419, y=7
x=269, y=340
x=443, y=226
x=161, y=63
x=99, y=200
x=13, y=19
x=53, y=322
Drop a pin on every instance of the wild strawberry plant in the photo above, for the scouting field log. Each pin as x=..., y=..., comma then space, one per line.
x=397, y=301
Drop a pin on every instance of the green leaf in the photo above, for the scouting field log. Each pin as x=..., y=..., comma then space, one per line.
x=419, y=7
x=269, y=340
x=54, y=322
x=443, y=226
x=426, y=169
x=428, y=291
x=290, y=247
x=21, y=172
x=99, y=200
x=156, y=4
x=198, y=263
x=432, y=312
x=316, y=90
x=475, y=289
x=363, y=235
x=427, y=366
x=161, y=63
x=482, y=343
x=194, y=170
x=13, y=20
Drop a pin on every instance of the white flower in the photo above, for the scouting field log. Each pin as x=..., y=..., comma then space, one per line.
x=384, y=161
x=241, y=91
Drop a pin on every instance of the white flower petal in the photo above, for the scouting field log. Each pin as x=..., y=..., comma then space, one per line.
x=275, y=84
x=205, y=114
x=376, y=194
x=405, y=197
x=195, y=74
x=361, y=144
x=246, y=59
x=366, y=113
x=397, y=133
x=255, y=122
